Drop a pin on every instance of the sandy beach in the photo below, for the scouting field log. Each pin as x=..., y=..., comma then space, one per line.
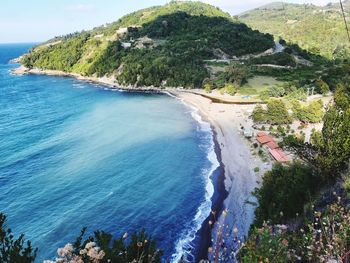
x=238, y=162
x=236, y=155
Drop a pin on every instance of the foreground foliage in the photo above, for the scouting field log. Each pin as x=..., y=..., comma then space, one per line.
x=103, y=248
x=99, y=248
x=14, y=250
x=325, y=238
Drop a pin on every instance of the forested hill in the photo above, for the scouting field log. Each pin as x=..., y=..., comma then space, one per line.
x=160, y=46
x=320, y=30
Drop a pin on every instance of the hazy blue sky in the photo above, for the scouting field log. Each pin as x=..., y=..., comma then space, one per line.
x=39, y=20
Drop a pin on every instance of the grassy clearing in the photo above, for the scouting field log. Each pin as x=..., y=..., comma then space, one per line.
x=258, y=84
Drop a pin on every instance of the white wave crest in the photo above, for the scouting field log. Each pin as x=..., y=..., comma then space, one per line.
x=184, y=244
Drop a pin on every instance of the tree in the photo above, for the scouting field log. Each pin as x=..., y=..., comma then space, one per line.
x=236, y=73
x=284, y=191
x=277, y=112
x=14, y=250
x=323, y=86
x=334, y=153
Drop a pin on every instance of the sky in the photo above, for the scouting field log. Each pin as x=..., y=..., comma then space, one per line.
x=40, y=20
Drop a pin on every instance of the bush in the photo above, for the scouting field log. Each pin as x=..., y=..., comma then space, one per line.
x=284, y=191
x=323, y=239
x=259, y=114
x=277, y=112
x=311, y=113
x=230, y=89
x=207, y=88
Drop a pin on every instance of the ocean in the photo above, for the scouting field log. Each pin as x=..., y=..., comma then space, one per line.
x=75, y=154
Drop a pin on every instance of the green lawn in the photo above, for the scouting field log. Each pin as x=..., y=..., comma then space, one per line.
x=258, y=84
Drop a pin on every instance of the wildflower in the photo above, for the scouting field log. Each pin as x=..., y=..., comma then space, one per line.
x=235, y=230
x=285, y=242
x=139, y=244
x=90, y=245
x=125, y=235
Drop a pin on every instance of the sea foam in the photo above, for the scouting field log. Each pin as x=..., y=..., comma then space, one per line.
x=184, y=245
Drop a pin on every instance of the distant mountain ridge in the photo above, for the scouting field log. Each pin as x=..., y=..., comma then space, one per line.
x=318, y=29
x=158, y=46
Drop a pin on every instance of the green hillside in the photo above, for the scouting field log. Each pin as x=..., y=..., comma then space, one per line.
x=319, y=30
x=160, y=46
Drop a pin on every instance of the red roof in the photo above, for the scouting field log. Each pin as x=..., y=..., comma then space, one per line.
x=272, y=145
x=265, y=139
x=279, y=155
x=260, y=134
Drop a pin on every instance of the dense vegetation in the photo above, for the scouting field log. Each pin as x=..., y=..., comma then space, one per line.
x=302, y=213
x=319, y=30
x=276, y=113
x=167, y=48
x=292, y=186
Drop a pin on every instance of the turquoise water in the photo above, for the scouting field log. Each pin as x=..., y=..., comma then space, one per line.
x=75, y=154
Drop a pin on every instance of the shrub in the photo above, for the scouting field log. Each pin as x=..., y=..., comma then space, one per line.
x=311, y=113
x=207, y=88
x=284, y=191
x=323, y=239
x=277, y=112
x=259, y=114
x=230, y=89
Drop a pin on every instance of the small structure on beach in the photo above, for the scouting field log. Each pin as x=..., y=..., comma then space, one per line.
x=248, y=133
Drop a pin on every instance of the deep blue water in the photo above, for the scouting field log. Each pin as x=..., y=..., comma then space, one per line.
x=74, y=154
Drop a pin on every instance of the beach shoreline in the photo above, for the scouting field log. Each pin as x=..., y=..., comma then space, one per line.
x=237, y=178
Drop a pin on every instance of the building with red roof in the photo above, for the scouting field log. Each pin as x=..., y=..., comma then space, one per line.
x=260, y=134
x=265, y=139
x=268, y=141
x=272, y=145
x=279, y=155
